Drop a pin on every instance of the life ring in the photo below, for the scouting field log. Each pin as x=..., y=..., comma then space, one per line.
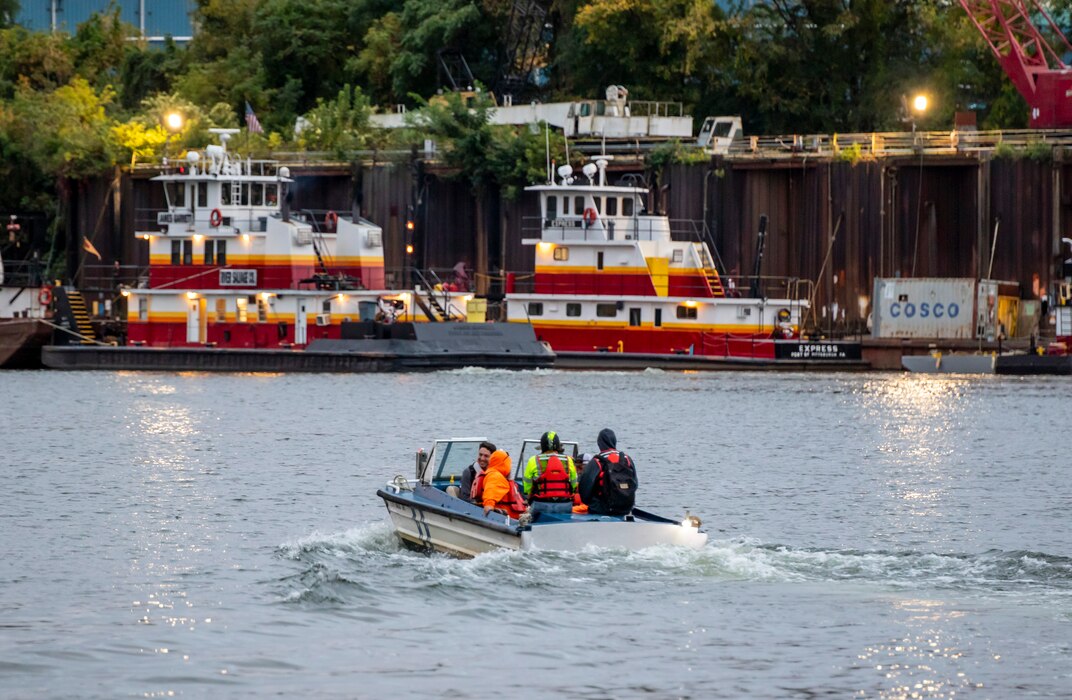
x=331, y=220
x=44, y=297
x=589, y=216
x=215, y=218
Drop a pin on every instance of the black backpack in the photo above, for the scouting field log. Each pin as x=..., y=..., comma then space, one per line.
x=619, y=483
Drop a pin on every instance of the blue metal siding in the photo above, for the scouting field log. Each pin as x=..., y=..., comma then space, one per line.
x=161, y=16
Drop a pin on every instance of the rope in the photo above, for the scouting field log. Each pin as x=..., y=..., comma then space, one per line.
x=76, y=334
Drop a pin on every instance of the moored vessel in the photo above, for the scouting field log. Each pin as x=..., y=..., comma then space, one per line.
x=233, y=268
x=24, y=314
x=615, y=285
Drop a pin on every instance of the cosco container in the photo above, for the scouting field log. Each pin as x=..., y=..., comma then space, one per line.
x=935, y=307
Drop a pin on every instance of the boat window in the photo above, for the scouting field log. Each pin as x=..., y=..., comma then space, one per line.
x=531, y=447
x=176, y=252
x=175, y=194
x=561, y=253
x=143, y=308
x=202, y=194
x=240, y=305
x=678, y=256
x=221, y=310
x=262, y=310
x=658, y=318
x=627, y=206
x=256, y=194
x=565, y=205
x=210, y=252
x=578, y=204
x=326, y=306
x=271, y=195
x=586, y=109
x=607, y=310
x=221, y=252
x=599, y=260
x=453, y=457
x=612, y=206
x=634, y=317
x=552, y=206
x=686, y=312
x=535, y=308
x=573, y=309
x=187, y=252
x=225, y=196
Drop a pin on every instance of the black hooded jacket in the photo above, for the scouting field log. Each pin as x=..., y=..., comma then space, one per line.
x=588, y=485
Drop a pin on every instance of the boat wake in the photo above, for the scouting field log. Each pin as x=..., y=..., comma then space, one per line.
x=368, y=563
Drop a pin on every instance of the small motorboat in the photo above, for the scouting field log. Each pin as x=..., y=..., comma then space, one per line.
x=427, y=517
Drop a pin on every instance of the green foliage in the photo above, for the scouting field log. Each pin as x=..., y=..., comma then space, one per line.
x=853, y=154
x=340, y=125
x=1038, y=151
x=676, y=153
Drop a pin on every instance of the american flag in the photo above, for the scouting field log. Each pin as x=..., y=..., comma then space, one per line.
x=252, y=124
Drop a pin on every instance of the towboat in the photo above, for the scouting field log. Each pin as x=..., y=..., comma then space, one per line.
x=25, y=324
x=426, y=516
x=615, y=284
x=238, y=281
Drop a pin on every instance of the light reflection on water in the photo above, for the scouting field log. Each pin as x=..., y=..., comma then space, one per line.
x=875, y=536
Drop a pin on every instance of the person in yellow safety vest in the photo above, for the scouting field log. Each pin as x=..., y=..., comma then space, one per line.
x=550, y=477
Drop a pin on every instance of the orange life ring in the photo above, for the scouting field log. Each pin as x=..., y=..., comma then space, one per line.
x=331, y=220
x=589, y=216
x=44, y=297
x=215, y=218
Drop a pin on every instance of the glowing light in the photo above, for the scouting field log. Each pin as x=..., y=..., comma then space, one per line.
x=920, y=103
x=125, y=292
x=198, y=237
x=245, y=238
x=467, y=297
x=692, y=304
x=173, y=121
x=545, y=247
x=341, y=297
x=266, y=295
x=191, y=295
x=147, y=236
x=409, y=249
x=409, y=226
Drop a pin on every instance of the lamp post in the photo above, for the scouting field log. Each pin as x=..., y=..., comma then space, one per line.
x=173, y=123
x=911, y=111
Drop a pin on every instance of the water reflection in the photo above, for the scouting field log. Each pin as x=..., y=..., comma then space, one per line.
x=927, y=662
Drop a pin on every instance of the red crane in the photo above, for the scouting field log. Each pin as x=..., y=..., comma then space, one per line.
x=1031, y=62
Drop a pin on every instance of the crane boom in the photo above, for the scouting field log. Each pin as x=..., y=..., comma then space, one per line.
x=1035, y=67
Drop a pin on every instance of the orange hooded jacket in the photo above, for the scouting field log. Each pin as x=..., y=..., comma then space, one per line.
x=499, y=491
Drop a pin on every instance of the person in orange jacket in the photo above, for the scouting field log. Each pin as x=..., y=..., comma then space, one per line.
x=497, y=490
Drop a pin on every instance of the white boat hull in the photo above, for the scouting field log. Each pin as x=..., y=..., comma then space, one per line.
x=453, y=527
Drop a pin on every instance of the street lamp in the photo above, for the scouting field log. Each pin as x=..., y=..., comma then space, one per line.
x=919, y=103
x=173, y=121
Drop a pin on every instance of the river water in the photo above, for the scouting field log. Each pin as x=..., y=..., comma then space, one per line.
x=202, y=535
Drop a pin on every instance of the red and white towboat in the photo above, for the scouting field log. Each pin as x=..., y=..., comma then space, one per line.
x=611, y=278
x=232, y=267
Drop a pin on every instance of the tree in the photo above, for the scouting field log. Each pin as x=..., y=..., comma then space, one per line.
x=340, y=125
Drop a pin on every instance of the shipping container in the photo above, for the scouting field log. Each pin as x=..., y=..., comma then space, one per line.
x=938, y=307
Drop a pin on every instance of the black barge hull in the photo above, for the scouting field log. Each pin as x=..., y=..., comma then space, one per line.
x=425, y=347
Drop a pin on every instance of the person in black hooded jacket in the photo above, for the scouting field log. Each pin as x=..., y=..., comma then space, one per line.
x=609, y=482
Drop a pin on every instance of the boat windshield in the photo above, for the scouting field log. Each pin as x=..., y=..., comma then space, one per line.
x=532, y=447
x=449, y=458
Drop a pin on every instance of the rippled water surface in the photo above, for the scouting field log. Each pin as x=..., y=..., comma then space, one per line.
x=884, y=536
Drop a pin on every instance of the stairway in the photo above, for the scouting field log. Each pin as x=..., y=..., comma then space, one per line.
x=71, y=313
x=713, y=279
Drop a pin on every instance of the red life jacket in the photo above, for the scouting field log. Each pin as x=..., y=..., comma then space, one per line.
x=514, y=502
x=552, y=482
